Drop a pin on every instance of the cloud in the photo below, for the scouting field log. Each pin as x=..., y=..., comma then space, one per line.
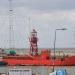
x=45, y=17
x=42, y=5
x=46, y=23
x=46, y=5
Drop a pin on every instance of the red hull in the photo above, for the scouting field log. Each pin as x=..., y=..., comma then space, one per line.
x=42, y=59
x=27, y=60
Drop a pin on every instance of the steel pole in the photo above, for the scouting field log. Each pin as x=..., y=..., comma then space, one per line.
x=54, y=51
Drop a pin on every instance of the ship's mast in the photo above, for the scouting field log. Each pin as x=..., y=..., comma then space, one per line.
x=11, y=32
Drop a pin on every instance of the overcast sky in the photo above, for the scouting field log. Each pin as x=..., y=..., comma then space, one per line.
x=45, y=16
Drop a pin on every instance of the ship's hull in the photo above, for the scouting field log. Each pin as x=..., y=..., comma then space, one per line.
x=27, y=60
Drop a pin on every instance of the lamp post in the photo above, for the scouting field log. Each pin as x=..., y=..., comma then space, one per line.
x=55, y=45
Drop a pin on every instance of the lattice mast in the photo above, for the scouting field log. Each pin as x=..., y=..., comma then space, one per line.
x=11, y=31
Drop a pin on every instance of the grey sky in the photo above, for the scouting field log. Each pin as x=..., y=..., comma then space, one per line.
x=45, y=15
x=42, y=4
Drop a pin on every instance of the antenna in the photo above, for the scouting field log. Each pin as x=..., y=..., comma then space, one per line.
x=11, y=32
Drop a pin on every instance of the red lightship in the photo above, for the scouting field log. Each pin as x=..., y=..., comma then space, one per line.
x=36, y=58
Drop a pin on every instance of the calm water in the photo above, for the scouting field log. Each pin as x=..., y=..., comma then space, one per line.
x=42, y=70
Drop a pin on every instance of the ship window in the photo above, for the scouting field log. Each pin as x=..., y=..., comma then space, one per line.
x=48, y=58
x=62, y=59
